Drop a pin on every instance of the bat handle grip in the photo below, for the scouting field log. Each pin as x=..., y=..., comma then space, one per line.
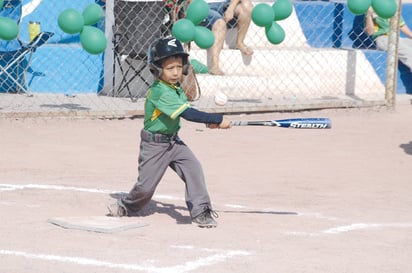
x=239, y=123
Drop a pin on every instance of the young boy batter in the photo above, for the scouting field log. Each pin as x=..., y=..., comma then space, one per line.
x=160, y=145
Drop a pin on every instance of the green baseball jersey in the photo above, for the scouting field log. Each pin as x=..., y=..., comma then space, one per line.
x=163, y=106
x=382, y=26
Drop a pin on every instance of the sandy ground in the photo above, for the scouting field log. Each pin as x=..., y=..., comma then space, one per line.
x=288, y=200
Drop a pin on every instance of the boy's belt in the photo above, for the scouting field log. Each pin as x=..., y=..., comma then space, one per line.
x=159, y=138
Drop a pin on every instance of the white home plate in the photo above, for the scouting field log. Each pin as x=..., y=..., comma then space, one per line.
x=103, y=224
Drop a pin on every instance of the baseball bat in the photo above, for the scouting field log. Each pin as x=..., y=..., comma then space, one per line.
x=296, y=123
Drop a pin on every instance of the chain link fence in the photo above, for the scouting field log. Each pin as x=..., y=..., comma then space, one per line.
x=325, y=61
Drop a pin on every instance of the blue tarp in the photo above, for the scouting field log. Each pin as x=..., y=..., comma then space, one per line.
x=60, y=66
x=9, y=50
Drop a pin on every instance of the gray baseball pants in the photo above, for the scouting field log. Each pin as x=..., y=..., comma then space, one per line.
x=157, y=153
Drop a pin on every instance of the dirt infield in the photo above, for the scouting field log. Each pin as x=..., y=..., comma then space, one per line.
x=288, y=200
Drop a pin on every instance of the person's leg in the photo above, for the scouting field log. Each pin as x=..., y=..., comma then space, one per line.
x=153, y=163
x=405, y=52
x=243, y=13
x=404, y=49
x=217, y=25
x=219, y=31
x=189, y=169
x=382, y=42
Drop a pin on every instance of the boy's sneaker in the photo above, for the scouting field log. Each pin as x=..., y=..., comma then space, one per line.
x=205, y=219
x=116, y=209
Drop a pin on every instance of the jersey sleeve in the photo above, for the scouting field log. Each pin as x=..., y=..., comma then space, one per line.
x=402, y=22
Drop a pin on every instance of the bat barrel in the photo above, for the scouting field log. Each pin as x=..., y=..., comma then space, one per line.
x=305, y=123
x=296, y=123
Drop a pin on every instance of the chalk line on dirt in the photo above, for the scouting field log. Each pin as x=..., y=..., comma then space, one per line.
x=186, y=267
x=358, y=226
x=351, y=227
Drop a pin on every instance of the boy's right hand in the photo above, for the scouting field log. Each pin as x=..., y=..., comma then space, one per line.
x=225, y=124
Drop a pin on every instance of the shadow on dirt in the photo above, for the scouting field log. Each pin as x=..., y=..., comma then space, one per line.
x=175, y=212
x=260, y=212
x=407, y=147
x=181, y=214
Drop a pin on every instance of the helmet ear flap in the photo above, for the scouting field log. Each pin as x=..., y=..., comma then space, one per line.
x=155, y=70
x=185, y=69
x=186, y=65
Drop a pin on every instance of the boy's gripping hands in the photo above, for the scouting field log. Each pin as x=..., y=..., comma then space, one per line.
x=225, y=124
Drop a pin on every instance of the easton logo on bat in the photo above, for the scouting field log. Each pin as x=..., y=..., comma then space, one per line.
x=309, y=125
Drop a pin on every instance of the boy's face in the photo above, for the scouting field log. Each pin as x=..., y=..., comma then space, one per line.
x=172, y=69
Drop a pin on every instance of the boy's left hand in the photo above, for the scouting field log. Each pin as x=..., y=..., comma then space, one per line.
x=212, y=126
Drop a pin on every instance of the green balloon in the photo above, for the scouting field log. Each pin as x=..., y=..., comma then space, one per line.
x=358, y=7
x=385, y=8
x=275, y=33
x=92, y=14
x=198, y=67
x=93, y=40
x=283, y=9
x=8, y=29
x=71, y=21
x=263, y=15
x=183, y=30
x=204, y=37
x=197, y=11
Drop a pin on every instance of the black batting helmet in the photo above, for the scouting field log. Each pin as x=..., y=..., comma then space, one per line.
x=163, y=48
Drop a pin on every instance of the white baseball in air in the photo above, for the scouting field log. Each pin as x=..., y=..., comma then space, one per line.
x=220, y=98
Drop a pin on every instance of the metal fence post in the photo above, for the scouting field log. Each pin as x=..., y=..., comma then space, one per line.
x=392, y=59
